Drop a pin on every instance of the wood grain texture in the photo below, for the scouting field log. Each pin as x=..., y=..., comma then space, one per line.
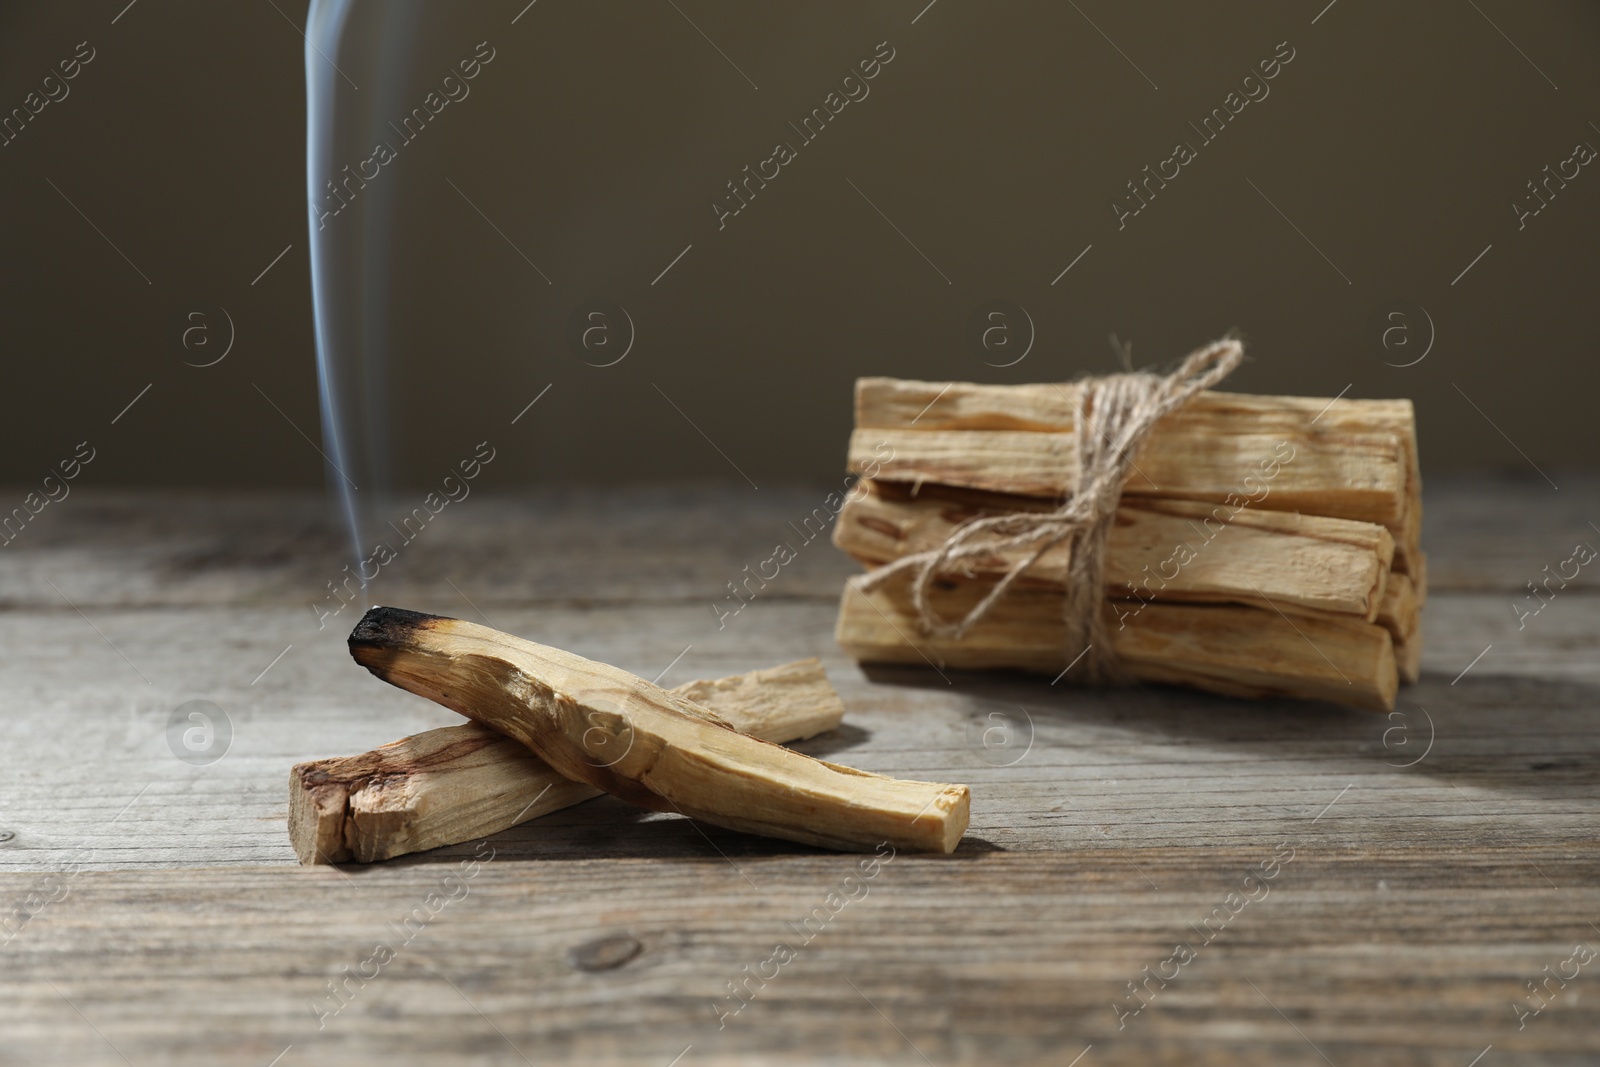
x=1356, y=427
x=1446, y=853
x=1408, y=954
x=459, y=783
x=679, y=544
x=1179, y=550
x=1233, y=650
x=652, y=747
x=1046, y=407
x=1347, y=476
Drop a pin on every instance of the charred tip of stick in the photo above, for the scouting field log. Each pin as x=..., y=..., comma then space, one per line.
x=383, y=630
x=384, y=627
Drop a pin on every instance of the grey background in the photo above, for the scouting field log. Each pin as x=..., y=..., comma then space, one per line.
x=1391, y=148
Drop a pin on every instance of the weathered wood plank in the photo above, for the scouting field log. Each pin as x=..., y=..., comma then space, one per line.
x=1362, y=954
x=1049, y=769
x=682, y=543
x=679, y=544
x=1444, y=855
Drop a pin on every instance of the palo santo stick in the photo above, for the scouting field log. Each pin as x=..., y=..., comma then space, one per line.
x=1408, y=533
x=889, y=403
x=1235, y=651
x=1345, y=475
x=596, y=723
x=1408, y=655
x=894, y=403
x=464, y=782
x=1401, y=615
x=1176, y=550
x=1399, y=612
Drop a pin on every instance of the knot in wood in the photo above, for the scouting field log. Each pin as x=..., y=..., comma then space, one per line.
x=605, y=953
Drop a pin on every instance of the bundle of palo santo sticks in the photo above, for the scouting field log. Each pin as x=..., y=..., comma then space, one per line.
x=1262, y=545
x=552, y=729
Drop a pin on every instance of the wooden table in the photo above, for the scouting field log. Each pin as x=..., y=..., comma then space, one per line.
x=1429, y=864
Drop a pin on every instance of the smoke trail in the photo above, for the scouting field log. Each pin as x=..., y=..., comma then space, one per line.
x=324, y=28
x=351, y=278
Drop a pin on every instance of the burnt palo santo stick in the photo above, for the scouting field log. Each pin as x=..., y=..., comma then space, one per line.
x=596, y=723
x=458, y=783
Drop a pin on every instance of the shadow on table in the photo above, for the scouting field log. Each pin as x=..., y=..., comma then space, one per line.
x=1513, y=733
x=607, y=829
x=1526, y=736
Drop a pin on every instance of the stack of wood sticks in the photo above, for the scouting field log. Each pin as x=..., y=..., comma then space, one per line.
x=1263, y=546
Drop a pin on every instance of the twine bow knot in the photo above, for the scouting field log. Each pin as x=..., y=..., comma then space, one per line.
x=1115, y=413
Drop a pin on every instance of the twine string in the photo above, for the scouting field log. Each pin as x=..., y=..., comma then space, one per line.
x=1115, y=413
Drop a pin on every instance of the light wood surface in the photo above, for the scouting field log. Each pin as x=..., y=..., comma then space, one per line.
x=1445, y=855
